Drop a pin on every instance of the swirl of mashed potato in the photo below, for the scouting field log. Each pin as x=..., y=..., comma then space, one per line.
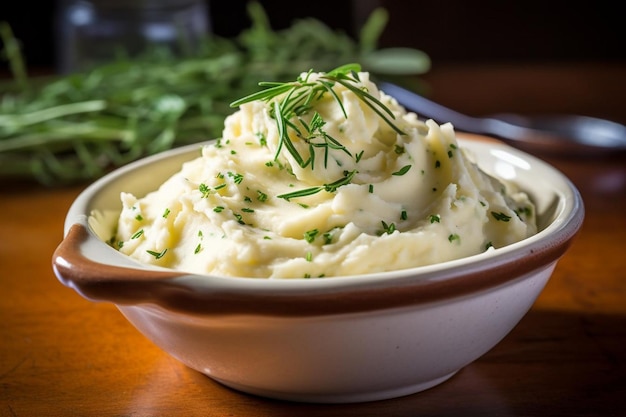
x=376, y=199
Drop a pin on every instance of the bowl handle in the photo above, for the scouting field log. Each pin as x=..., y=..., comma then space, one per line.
x=100, y=281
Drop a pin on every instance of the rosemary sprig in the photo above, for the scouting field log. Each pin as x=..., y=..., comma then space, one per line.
x=290, y=101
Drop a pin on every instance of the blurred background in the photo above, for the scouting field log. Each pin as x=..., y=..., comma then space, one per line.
x=449, y=31
x=482, y=58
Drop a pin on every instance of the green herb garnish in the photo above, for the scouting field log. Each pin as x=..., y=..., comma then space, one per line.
x=388, y=228
x=310, y=235
x=204, y=189
x=157, y=255
x=402, y=170
x=500, y=216
x=331, y=188
x=261, y=196
x=289, y=102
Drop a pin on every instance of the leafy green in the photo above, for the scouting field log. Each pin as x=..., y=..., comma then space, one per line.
x=73, y=128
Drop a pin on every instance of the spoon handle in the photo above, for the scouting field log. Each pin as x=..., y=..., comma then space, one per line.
x=427, y=109
x=563, y=135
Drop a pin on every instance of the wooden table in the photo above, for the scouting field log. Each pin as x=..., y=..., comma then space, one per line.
x=61, y=355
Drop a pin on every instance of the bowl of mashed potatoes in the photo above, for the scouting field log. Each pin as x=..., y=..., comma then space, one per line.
x=329, y=247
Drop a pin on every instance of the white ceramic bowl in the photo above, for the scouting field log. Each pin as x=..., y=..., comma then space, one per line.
x=342, y=339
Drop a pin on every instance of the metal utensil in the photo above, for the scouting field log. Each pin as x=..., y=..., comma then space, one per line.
x=557, y=134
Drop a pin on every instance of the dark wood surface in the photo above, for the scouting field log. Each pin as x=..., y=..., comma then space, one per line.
x=61, y=355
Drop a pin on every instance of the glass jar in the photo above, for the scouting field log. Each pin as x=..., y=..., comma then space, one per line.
x=92, y=32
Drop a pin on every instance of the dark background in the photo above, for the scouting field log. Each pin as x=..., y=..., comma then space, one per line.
x=449, y=31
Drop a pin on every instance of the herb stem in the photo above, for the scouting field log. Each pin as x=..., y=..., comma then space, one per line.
x=289, y=100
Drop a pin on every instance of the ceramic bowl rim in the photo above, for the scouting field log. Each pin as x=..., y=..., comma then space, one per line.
x=278, y=296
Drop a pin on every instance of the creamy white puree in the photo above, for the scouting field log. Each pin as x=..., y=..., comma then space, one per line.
x=221, y=215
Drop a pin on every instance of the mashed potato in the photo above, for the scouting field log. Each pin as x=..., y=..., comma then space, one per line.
x=343, y=185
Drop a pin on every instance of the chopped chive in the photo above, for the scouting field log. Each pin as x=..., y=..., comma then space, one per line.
x=204, y=189
x=402, y=170
x=434, y=218
x=261, y=196
x=157, y=255
x=310, y=235
x=500, y=216
x=237, y=178
x=388, y=228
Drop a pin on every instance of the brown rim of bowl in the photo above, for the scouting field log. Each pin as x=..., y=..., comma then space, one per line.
x=211, y=295
x=168, y=289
